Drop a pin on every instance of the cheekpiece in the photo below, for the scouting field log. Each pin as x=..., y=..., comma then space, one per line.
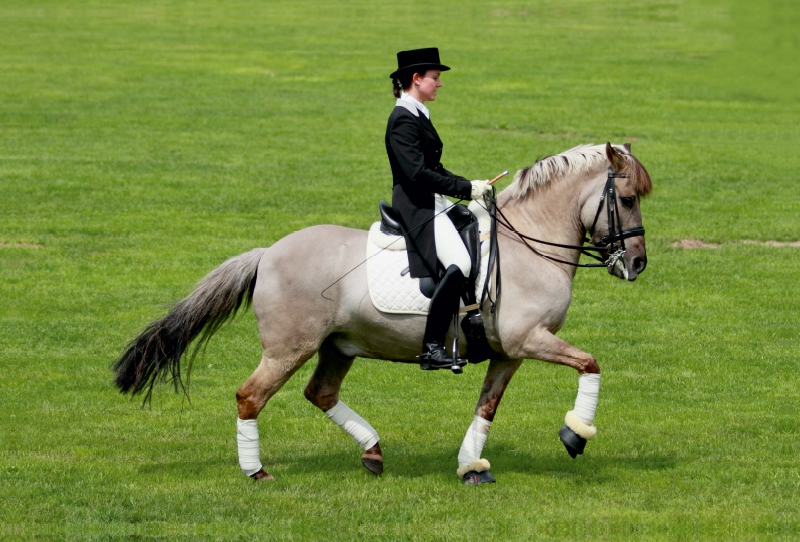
x=418, y=60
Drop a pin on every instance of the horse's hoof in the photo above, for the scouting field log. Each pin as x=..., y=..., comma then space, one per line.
x=262, y=476
x=473, y=478
x=373, y=465
x=573, y=442
x=372, y=459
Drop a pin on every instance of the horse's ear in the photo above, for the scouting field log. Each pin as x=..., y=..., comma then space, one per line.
x=616, y=159
x=627, y=147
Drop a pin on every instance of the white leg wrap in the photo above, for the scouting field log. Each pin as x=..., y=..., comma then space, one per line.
x=581, y=418
x=354, y=425
x=247, y=440
x=469, y=456
x=586, y=401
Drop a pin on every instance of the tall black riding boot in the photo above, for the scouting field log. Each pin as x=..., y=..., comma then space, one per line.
x=443, y=307
x=472, y=326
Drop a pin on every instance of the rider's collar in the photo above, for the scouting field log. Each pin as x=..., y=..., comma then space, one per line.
x=413, y=105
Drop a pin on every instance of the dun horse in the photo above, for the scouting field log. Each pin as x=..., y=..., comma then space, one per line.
x=543, y=216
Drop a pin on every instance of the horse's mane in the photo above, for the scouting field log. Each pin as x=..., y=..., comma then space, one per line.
x=578, y=159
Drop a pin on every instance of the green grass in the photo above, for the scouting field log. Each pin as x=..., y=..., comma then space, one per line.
x=141, y=144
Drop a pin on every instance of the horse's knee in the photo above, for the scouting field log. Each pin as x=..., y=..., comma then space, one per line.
x=320, y=398
x=589, y=366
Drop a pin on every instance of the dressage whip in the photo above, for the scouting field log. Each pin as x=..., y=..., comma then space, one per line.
x=498, y=177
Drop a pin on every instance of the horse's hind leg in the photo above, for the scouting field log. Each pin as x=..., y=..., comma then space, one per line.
x=471, y=467
x=270, y=375
x=323, y=392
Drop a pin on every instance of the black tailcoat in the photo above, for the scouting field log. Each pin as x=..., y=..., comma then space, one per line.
x=415, y=151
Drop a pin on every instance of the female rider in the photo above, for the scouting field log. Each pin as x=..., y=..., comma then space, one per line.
x=434, y=247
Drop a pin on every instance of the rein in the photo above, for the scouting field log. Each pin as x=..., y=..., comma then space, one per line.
x=607, y=244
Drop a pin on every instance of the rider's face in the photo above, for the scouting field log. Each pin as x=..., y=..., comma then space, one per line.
x=427, y=85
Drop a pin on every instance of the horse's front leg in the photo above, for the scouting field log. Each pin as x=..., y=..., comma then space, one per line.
x=471, y=467
x=579, y=422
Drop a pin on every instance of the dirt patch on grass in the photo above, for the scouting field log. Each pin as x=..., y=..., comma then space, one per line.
x=20, y=245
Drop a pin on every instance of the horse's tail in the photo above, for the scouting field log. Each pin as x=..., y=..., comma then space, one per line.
x=157, y=351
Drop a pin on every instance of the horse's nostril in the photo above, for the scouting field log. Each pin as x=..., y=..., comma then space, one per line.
x=639, y=264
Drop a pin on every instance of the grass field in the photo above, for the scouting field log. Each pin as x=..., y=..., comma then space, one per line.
x=142, y=143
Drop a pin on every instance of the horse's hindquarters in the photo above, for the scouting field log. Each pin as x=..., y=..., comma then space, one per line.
x=312, y=285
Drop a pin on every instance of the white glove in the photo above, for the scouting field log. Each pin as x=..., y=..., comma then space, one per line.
x=479, y=188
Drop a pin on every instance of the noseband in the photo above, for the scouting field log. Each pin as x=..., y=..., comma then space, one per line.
x=612, y=244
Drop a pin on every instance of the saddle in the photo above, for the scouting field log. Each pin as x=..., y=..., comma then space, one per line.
x=468, y=229
x=467, y=226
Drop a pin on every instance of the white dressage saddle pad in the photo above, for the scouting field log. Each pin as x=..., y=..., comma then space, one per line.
x=395, y=293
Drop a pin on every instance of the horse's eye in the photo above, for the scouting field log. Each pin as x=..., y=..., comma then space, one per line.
x=627, y=201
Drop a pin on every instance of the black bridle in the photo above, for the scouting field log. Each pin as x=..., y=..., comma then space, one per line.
x=615, y=231
x=612, y=244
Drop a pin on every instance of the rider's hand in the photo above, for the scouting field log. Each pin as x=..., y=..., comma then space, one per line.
x=479, y=188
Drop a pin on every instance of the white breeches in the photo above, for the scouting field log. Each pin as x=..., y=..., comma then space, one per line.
x=450, y=249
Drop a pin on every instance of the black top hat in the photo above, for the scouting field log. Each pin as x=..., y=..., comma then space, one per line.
x=418, y=60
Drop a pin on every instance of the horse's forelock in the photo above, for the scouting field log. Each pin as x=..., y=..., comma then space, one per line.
x=639, y=176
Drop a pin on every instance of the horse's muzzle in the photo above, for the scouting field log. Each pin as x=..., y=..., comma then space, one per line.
x=632, y=263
